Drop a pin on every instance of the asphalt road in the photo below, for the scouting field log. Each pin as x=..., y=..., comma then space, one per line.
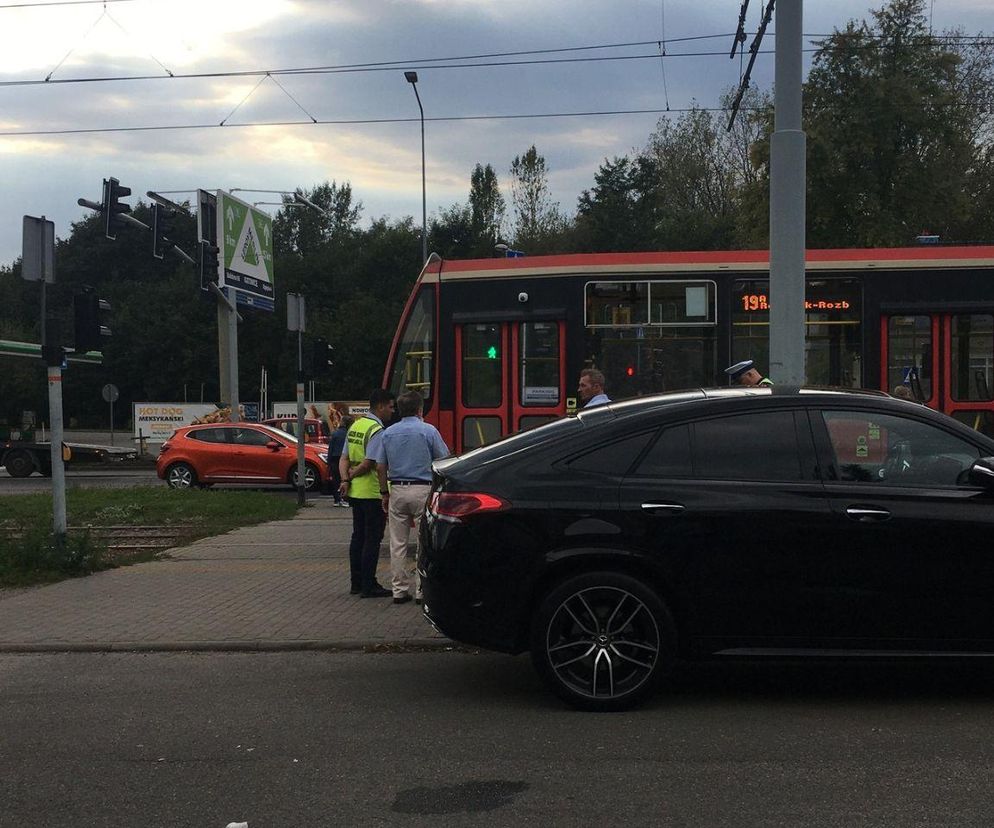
x=472, y=739
x=86, y=477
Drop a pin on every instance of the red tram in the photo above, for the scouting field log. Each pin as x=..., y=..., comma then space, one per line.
x=496, y=345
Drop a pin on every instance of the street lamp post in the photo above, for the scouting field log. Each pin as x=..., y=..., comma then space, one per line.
x=412, y=78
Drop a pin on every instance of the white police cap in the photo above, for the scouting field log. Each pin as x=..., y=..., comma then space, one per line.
x=739, y=368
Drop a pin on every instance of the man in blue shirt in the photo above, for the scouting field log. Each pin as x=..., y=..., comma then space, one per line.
x=403, y=455
x=591, y=388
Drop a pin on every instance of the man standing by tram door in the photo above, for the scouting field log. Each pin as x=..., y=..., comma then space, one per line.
x=361, y=486
x=745, y=373
x=403, y=458
x=591, y=388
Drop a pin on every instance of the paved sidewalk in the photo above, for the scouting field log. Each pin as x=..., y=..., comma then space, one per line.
x=278, y=586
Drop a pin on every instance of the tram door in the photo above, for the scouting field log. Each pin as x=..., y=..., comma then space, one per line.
x=509, y=377
x=946, y=360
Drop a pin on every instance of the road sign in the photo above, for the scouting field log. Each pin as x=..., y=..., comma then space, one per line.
x=110, y=393
x=295, y=312
x=245, y=239
x=38, y=254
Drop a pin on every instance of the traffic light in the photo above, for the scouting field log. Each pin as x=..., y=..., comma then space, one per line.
x=323, y=357
x=163, y=226
x=209, y=264
x=630, y=371
x=112, y=206
x=88, y=330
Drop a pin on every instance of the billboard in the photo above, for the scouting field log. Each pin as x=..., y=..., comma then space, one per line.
x=157, y=420
x=245, y=251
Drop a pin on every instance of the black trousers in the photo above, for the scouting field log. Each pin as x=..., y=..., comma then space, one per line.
x=368, y=522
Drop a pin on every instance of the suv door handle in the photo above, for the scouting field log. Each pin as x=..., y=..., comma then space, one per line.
x=867, y=514
x=671, y=508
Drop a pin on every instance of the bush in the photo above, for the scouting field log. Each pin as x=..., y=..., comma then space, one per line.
x=32, y=556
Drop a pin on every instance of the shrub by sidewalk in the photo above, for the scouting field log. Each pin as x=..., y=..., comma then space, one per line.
x=98, y=517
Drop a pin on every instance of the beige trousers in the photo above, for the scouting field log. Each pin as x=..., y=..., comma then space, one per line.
x=406, y=503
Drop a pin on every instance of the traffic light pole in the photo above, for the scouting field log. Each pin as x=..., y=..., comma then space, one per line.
x=301, y=434
x=227, y=341
x=58, y=469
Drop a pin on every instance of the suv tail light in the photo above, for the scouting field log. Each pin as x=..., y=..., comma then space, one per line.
x=455, y=507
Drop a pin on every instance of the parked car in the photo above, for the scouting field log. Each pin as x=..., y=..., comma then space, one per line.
x=202, y=455
x=714, y=523
x=315, y=431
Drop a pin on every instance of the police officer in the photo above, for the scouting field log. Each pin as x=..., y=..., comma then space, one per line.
x=745, y=373
x=361, y=486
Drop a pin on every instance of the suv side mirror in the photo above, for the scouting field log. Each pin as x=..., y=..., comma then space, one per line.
x=981, y=473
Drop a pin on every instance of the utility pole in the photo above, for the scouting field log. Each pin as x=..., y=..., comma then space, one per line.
x=787, y=203
x=295, y=321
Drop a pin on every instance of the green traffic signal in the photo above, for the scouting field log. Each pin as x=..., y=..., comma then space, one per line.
x=492, y=352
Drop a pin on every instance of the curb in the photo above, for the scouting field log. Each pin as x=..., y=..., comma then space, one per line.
x=236, y=646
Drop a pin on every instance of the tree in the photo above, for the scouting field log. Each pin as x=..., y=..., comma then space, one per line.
x=487, y=208
x=451, y=233
x=605, y=216
x=898, y=125
x=302, y=230
x=538, y=224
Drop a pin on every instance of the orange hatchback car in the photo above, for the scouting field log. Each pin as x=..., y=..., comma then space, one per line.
x=202, y=455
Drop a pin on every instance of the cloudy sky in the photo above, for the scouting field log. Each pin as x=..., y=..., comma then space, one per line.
x=440, y=39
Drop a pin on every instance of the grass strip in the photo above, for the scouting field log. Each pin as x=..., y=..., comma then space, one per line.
x=28, y=554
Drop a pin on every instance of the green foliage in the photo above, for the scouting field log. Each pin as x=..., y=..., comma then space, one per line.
x=487, y=209
x=539, y=226
x=31, y=555
x=898, y=131
x=28, y=553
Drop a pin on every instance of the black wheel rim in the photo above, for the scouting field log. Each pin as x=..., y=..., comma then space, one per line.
x=602, y=643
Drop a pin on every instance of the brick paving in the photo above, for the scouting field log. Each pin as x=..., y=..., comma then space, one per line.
x=276, y=586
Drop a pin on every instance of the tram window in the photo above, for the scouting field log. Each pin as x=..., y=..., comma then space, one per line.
x=972, y=352
x=982, y=421
x=909, y=354
x=617, y=303
x=832, y=329
x=539, y=368
x=482, y=365
x=479, y=431
x=412, y=365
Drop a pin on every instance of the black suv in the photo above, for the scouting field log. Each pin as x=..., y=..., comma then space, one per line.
x=715, y=522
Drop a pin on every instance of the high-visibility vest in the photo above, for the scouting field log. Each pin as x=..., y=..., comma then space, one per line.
x=365, y=486
x=765, y=381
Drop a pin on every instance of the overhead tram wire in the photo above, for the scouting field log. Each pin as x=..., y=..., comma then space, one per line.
x=360, y=121
x=740, y=35
x=420, y=63
x=753, y=51
x=61, y=3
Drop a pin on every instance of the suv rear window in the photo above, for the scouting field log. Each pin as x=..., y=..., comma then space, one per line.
x=754, y=446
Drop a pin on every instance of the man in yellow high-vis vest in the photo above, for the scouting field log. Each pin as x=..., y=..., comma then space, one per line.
x=362, y=487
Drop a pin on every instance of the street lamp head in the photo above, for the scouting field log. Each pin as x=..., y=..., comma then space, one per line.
x=412, y=77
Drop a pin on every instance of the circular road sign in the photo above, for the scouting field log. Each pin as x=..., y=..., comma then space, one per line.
x=110, y=393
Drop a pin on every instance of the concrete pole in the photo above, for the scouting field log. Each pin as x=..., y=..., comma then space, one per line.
x=58, y=469
x=233, y=360
x=224, y=373
x=787, y=203
x=301, y=492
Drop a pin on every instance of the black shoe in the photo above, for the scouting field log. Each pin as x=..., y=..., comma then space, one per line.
x=354, y=591
x=403, y=599
x=377, y=592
